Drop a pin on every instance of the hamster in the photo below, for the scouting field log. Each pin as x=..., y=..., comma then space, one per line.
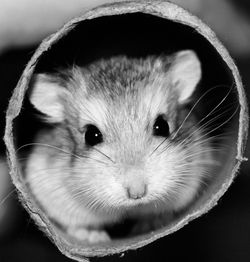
x=122, y=142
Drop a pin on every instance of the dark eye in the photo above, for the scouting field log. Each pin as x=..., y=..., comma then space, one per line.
x=161, y=127
x=93, y=135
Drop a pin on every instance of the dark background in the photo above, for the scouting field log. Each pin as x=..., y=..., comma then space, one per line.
x=221, y=235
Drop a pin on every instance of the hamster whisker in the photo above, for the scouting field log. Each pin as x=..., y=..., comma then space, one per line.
x=4, y=199
x=214, y=119
x=213, y=111
x=192, y=154
x=85, y=195
x=202, y=127
x=222, y=124
x=47, y=145
x=195, y=143
x=78, y=193
x=170, y=195
x=160, y=200
x=184, y=184
x=197, y=102
x=61, y=150
x=94, y=204
x=186, y=172
x=158, y=147
x=104, y=154
x=43, y=181
x=56, y=168
x=211, y=141
x=227, y=109
x=217, y=106
x=200, y=142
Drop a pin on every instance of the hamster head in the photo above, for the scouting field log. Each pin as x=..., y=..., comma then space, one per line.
x=122, y=120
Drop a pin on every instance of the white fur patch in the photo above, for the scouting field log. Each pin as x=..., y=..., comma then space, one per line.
x=94, y=110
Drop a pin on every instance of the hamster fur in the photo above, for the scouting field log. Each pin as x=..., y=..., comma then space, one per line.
x=120, y=142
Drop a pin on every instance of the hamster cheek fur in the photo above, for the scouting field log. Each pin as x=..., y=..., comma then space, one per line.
x=170, y=177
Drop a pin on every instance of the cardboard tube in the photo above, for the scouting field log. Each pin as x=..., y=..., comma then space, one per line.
x=163, y=10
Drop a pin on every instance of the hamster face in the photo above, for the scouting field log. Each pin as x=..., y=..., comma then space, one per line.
x=124, y=121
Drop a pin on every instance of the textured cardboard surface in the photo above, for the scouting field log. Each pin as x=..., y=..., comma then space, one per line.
x=161, y=9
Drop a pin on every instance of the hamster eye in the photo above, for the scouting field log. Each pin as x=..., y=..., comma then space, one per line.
x=93, y=135
x=161, y=127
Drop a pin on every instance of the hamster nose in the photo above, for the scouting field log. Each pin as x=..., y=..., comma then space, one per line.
x=136, y=191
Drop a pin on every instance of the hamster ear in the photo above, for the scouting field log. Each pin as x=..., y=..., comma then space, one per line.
x=185, y=72
x=46, y=96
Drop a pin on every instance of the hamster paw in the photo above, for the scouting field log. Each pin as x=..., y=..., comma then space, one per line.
x=89, y=235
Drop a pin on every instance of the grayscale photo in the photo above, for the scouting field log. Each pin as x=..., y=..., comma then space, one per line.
x=124, y=128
